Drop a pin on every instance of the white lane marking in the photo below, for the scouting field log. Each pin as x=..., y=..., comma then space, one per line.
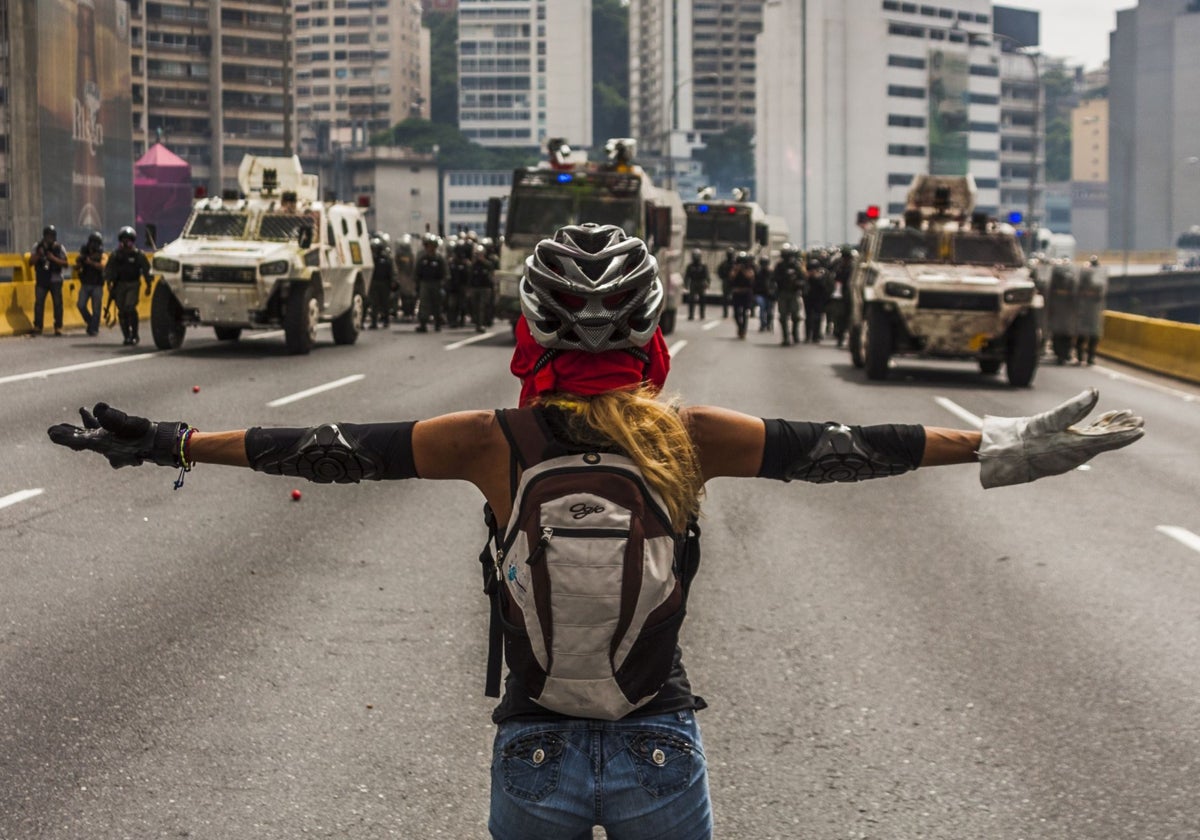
x=1183, y=535
x=677, y=346
x=711, y=325
x=958, y=411
x=20, y=496
x=1116, y=374
x=42, y=374
x=477, y=337
x=320, y=389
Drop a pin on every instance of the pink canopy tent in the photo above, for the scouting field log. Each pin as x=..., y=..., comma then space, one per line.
x=162, y=192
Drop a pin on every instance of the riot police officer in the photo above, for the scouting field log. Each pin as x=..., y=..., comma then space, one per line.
x=724, y=271
x=816, y=292
x=480, y=289
x=1092, y=297
x=837, y=308
x=383, y=282
x=89, y=267
x=788, y=282
x=126, y=266
x=696, y=281
x=431, y=273
x=762, y=294
x=458, y=282
x=741, y=290
x=1062, y=313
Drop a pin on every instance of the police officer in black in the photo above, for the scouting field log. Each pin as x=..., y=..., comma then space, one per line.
x=480, y=289
x=458, y=281
x=696, y=280
x=126, y=266
x=724, y=272
x=89, y=267
x=788, y=282
x=762, y=294
x=431, y=272
x=48, y=258
x=383, y=282
x=816, y=293
x=741, y=291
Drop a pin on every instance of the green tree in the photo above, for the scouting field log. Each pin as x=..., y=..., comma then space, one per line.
x=443, y=67
x=728, y=157
x=1059, y=87
x=454, y=150
x=610, y=71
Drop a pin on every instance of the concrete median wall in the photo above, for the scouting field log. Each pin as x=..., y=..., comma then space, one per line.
x=1165, y=347
x=17, y=299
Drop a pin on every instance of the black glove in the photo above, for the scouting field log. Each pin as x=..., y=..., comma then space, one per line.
x=124, y=440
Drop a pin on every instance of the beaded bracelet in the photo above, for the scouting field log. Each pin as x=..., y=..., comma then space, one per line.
x=185, y=452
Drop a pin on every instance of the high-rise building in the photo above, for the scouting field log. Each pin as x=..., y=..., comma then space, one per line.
x=209, y=79
x=1154, y=146
x=525, y=71
x=219, y=79
x=865, y=94
x=359, y=70
x=693, y=67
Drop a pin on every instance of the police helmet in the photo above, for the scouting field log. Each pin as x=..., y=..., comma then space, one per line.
x=788, y=250
x=730, y=252
x=50, y=231
x=696, y=255
x=94, y=238
x=431, y=239
x=744, y=258
x=127, y=233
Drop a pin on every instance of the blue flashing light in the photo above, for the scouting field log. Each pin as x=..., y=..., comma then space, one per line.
x=703, y=208
x=1015, y=217
x=565, y=177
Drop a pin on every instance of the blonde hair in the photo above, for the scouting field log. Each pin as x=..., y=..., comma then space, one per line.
x=647, y=430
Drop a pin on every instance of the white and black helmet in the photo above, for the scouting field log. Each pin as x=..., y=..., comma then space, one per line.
x=593, y=288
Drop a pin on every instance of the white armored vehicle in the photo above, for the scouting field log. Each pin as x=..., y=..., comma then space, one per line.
x=944, y=283
x=275, y=256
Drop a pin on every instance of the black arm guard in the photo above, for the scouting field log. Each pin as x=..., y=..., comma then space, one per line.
x=822, y=453
x=334, y=453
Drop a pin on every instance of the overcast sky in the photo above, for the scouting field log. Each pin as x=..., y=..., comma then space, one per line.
x=1076, y=29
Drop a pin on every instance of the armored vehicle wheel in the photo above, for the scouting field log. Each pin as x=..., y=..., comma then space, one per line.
x=989, y=366
x=1023, y=351
x=667, y=321
x=300, y=318
x=877, y=343
x=349, y=324
x=856, y=347
x=166, y=318
x=228, y=333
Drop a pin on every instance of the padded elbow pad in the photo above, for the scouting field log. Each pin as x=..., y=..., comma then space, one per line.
x=325, y=454
x=844, y=453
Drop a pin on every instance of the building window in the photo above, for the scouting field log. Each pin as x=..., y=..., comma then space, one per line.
x=905, y=92
x=905, y=121
x=906, y=61
x=904, y=150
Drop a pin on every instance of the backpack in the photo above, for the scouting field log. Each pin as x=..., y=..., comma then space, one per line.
x=588, y=581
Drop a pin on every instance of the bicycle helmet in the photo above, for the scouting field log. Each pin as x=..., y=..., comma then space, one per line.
x=593, y=288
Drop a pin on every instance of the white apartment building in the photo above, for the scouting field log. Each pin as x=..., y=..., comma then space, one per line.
x=692, y=71
x=525, y=71
x=359, y=70
x=465, y=196
x=865, y=94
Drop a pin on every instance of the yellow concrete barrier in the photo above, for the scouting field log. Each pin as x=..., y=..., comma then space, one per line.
x=1165, y=347
x=17, y=298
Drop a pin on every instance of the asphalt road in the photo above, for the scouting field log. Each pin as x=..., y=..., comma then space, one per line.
x=907, y=658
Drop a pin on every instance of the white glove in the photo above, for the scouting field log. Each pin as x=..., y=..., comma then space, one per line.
x=1020, y=449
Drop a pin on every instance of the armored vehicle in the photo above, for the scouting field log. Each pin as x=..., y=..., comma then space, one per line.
x=274, y=255
x=944, y=283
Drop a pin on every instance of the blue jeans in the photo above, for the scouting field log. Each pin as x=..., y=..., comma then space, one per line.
x=93, y=295
x=638, y=778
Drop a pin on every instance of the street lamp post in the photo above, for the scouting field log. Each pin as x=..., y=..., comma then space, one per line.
x=669, y=125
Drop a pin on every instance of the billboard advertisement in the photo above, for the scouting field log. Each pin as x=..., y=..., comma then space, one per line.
x=84, y=109
x=949, y=77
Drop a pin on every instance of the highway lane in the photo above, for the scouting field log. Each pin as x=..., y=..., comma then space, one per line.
x=901, y=658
